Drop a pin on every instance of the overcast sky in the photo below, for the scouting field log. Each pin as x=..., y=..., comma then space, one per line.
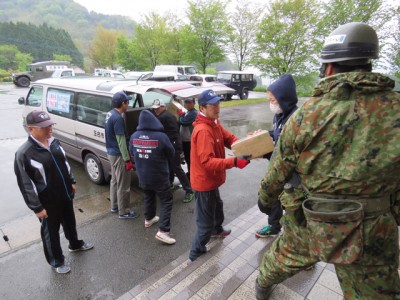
x=134, y=9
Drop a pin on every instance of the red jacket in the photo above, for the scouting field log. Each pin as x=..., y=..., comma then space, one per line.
x=207, y=155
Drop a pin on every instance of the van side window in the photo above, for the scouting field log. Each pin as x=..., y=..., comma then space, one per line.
x=247, y=77
x=60, y=102
x=35, y=96
x=92, y=109
x=235, y=78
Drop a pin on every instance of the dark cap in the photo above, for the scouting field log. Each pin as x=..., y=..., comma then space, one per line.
x=208, y=97
x=121, y=97
x=38, y=118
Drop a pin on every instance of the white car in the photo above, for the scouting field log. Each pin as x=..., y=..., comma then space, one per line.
x=210, y=81
x=134, y=74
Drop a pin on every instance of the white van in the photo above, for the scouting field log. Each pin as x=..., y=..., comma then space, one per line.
x=79, y=107
x=182, y=69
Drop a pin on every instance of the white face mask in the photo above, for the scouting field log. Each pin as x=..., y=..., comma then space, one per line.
x=275, y=108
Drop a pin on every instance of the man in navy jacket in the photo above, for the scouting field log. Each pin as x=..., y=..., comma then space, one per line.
x=152, y=150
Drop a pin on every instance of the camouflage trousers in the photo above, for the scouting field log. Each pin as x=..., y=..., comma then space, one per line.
x=373, y=276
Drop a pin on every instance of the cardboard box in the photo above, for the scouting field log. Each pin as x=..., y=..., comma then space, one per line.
x=257, y=145
x=173, y=108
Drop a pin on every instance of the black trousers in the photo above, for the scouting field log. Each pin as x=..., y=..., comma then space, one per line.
x=209, y=218
x=59, y=213
x=176, y=169
x=275, y=216
x=186, y=153
x=150, y=205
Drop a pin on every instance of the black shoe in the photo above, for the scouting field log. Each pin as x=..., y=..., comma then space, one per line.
x=223, y=233
x=262, y=293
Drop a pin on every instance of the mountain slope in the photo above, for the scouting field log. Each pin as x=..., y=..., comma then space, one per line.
x=64, y=14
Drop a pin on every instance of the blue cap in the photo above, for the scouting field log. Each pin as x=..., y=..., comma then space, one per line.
x=121, y=97
x=208, y=97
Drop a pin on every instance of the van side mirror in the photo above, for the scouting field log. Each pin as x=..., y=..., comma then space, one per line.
x=21, y=100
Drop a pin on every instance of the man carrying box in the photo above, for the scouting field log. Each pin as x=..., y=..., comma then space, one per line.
x=208, y=171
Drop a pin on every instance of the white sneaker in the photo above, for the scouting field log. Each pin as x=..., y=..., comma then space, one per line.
x=148, y=223
x=165, y=237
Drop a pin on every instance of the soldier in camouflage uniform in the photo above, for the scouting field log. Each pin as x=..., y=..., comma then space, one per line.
x=344, y=144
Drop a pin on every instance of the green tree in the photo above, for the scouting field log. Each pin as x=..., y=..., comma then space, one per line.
x=12, y=59
x=373, y=12
x=130, y=56
x=62, y=57
x=205, y=36
x=242, y=35
x=103, y=48
x=287, y=40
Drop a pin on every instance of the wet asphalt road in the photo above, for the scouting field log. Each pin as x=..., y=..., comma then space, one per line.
x=125, y=252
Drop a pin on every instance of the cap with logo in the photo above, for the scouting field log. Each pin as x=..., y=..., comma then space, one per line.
x=38, y=118
x=208, y=97
x=158, y=103
x=120, y=97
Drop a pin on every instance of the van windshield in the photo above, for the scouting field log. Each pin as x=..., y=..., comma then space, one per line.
x=190, y=70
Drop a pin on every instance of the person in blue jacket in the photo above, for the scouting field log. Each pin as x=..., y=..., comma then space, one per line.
x=283, y=103
x=152, y=151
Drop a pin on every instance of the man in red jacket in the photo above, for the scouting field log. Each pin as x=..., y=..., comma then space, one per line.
x=208, y=171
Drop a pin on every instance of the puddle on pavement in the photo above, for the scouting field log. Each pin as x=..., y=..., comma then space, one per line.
x=240, y=128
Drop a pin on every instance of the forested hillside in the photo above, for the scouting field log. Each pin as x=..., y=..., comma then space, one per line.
x=63, y=14
x=41, y=42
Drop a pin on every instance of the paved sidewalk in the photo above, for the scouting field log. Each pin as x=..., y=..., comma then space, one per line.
x=229, y=270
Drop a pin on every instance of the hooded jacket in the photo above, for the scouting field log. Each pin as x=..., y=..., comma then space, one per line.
x=284, y=90
x=151, y=150
x=207, y=155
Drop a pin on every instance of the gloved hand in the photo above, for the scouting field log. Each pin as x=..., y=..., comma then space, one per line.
x=262, y=208
x=128, y=165
x=180, y=112
x=242, y=161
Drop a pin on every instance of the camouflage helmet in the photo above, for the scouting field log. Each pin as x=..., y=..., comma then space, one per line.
x=351, y=44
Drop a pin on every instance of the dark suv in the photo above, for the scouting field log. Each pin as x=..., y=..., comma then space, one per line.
x=241, y=81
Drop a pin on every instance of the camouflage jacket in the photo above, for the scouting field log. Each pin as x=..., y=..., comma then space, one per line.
x=343, y=140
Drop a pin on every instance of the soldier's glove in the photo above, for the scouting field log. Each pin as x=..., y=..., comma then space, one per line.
x=262, y=208
x=242, y=161
x=128, y=165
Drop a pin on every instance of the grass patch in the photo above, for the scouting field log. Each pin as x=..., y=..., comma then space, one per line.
x=239, y=102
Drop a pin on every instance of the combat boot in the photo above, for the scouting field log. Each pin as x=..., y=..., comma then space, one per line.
x=262, y=293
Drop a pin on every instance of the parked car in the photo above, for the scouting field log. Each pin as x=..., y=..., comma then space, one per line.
x=135, y=75
x=241, y=81
x=164, y=76
x=181, y=69
x=63, y=73
x=38, y=70
x=79, y=107
x=208, y=80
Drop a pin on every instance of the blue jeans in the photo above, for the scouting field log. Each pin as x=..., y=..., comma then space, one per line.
x=209, y=219
x=150, y=205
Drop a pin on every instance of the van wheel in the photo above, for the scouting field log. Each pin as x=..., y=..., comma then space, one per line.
x=23, y=81
x=94, y=168
x=244, y=95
